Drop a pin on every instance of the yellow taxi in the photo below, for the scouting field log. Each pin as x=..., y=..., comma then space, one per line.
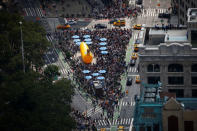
x=121, y=128
x=63, y=26
x=137, y=27
x=136, y=48
x=119, y=23
x=137, y=79
x=134, y=56
x=103, y=129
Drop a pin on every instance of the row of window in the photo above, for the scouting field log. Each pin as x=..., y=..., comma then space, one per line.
x=171, y=68
x=172, y=80
x=180, y=92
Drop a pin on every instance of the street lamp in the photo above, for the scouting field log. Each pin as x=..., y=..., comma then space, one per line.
x=22, y=48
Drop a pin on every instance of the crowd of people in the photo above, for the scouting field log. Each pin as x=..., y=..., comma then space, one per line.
x=117, y=9
x=113, y=62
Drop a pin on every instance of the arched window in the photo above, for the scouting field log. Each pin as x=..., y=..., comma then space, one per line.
x=175, y=68
x=156, y=68
x=153, y=68
x=194, y=67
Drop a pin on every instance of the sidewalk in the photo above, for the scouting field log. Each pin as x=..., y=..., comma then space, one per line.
x=124, y=76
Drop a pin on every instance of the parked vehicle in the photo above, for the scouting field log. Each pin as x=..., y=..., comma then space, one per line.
x=129, y=81
x=132, y=62
x=119, y=23
x=112, y=21
x=100, y=26
x=164, y=15
x=63, y=26
x=137, y=27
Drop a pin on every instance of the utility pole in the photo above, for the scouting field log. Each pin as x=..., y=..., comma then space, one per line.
x=22, y=48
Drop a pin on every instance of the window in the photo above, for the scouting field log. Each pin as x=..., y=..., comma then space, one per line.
x=153, y=79
x=188, y=126
x=194, y=93
x=153, y=68
x=175, y=80
x=179, y=92
x=175, y=68
x=194, y=80
x=194, y=67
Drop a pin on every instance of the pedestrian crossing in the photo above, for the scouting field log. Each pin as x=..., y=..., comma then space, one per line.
x=33, y=12
x=63, y=71
x=49, y=38
x=135, y=36
x=152, y=12
x=107, y=122
x=133, y=69
x=125, y=103
x=94, y=111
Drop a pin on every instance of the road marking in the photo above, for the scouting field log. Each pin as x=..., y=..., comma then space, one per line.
x=92, y=112
x=131, y=125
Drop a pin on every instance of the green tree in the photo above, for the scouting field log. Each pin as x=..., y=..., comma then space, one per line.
x=51, y=71
x=28, y=100
x=35, y=43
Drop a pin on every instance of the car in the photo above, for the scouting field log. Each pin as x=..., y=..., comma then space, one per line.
x=137, y=79
x=129, y=81
x=100, y=26
x=134, y=56
x=137, y=41
x=121, y=128
x=137, y=27
x=63, y=26
x=103, y=129
x=72, y=22
x=132, y=62
x=112, y=21
x=119, y=23
x=164, y=15
x=136, y=48
x=139, y=2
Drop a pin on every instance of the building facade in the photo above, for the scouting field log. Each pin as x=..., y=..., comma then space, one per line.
x=173, y=64
x=180, y=8
x=179, y=115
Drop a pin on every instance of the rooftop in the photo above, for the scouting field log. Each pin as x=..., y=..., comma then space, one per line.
x=192, y=15
x=167, y=36
x=189, y=103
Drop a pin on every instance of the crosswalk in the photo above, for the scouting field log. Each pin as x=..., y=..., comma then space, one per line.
x=152, y=12
x=135, y=36
x=33, y=12
x=49, y=38
x=125, y=103
x=94, y=111
x=133, y=69
x=98, y=109
x=121, y=121
x=63, y=71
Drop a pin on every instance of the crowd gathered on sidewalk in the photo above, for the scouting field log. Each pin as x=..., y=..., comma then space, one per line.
x=117, y=9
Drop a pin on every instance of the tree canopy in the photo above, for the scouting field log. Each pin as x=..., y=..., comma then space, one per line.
x=29, y=101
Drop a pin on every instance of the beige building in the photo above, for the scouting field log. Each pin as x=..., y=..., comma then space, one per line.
x=180, y=8
x=178, y=116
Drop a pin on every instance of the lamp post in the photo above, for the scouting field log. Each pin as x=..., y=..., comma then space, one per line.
x=22, y=48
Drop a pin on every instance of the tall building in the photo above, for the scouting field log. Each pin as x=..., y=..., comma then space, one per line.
x=168, y=57
x=192, y=25
x=180, y=8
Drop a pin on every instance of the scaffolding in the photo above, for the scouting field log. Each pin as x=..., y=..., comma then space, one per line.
x=148, y=109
